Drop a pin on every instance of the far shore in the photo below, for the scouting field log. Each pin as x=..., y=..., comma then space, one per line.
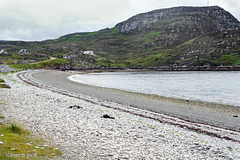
x=161, y=68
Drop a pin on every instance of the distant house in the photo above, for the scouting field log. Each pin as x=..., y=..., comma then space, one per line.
x=88, y=52
x=3, y=51
x=24, y=51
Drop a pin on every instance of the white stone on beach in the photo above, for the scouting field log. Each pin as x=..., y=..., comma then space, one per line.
x=83, y=133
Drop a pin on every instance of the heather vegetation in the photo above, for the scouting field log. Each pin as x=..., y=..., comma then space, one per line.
x=231, y=59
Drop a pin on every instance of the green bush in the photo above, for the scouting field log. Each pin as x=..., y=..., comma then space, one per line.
x=1, y=80
x=231, y=59
x=14, y=128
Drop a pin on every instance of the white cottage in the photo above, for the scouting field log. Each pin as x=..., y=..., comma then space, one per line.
x=24, y=51
x=88, y=52
x=3, y=51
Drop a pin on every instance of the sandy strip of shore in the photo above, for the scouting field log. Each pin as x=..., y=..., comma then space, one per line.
x=217, y=115
x=82, y=132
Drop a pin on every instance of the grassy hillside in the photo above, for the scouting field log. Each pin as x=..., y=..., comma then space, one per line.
x=181, y=36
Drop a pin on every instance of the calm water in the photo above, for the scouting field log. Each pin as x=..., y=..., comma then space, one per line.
x=218, y=87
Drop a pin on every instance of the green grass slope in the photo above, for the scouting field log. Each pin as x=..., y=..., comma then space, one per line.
x=180, y=36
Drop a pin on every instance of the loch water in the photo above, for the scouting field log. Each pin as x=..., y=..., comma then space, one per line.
x=221, y=87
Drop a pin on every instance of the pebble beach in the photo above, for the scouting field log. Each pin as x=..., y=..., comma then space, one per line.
x=78, y=125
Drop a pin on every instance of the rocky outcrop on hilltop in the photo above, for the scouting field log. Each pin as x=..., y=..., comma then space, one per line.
x=190, y=20
x=178, y=25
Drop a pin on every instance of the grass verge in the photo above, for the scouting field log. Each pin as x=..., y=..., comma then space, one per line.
x=3, y=85
x=18, y=143
x=56, y=63
x=1, y=80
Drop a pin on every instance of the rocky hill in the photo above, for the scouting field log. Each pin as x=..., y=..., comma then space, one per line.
x=180, y=36
x=187, y=20
x=179, y=24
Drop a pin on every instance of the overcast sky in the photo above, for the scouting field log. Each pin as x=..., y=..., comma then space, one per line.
x=35, y=20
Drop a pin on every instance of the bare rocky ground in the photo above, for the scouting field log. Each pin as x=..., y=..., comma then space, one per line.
x=76, y=125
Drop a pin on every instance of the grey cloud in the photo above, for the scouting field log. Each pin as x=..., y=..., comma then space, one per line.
x=48, y=19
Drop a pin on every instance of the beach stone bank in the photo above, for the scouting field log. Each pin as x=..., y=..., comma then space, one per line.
x=6, y=68
x=85, y=130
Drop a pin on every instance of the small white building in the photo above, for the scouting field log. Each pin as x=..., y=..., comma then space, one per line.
x=3, y=51
x=24, y=51
x=88, y=52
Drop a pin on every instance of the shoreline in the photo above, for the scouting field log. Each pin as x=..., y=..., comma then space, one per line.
x=196, y=112
x=222, y=106
x=75, y=123
x=164, y=68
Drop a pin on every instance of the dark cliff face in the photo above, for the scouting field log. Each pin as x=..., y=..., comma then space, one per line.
x=194, y=21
